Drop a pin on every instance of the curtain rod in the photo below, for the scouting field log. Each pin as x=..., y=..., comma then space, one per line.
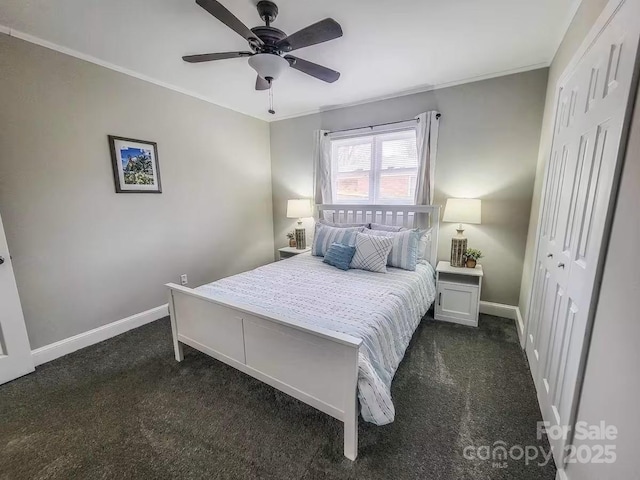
x=438, y=115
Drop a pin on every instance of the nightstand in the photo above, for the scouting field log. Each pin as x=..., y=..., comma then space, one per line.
x=288, y=252
x=458, y=294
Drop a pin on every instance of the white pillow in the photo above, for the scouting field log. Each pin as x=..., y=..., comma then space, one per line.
x=424, y=245
x=343, y=225
x=387, y=228
x=371, y=253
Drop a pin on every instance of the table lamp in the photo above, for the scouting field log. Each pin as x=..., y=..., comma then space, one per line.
x=461, y=210
x=299, y=208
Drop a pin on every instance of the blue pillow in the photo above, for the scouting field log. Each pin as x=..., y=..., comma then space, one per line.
x=339, y=255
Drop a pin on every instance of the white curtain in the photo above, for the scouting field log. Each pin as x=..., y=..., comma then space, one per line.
x=427, y=143
x=322, y=167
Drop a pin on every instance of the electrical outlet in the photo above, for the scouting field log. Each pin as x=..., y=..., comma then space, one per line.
x=183, y=279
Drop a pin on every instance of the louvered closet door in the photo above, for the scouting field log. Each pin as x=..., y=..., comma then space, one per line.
x=592, y=104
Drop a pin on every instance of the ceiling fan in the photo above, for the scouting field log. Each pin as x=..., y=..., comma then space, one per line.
x=269, y=45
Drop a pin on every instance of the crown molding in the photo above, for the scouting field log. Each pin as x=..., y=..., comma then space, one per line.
x=111, y=66
x=420, y=89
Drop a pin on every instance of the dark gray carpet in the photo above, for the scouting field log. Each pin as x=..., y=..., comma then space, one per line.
x=125, y=409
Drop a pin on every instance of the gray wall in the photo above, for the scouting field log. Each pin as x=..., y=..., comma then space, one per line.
x=611, y=382
x=582, y=22
x=487, y=148
x=85, y=256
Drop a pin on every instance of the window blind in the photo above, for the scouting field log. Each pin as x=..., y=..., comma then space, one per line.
x=379, y=168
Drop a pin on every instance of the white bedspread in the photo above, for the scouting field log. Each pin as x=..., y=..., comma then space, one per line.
x=381, y=309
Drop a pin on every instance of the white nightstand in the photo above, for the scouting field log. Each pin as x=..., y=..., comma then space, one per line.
x=288, y=252
x=458, y=294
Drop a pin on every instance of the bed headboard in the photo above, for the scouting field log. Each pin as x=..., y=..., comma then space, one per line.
x=409, y=216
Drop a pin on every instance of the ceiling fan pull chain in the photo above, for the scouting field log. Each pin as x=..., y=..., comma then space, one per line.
x=271, y=110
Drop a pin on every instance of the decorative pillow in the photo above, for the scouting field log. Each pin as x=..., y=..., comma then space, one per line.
x=404, y=252
x=387, y=228
x=371, y=252
x=339, y=255
x=343, y=225
x=326, y=235
x=424, y=246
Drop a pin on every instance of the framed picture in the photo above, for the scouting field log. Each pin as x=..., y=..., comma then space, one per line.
x=135, y=165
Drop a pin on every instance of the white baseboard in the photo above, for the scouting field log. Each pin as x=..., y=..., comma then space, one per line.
x=68, y=345
x=498, y=309
x=511, y=312
x=520, y=326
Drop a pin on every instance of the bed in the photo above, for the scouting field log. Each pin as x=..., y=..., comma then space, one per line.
x=330, y=338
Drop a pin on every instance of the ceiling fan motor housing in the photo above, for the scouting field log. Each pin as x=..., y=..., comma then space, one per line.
x=270, y=37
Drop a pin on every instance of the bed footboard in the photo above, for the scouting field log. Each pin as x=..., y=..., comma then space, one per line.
x=316, y=366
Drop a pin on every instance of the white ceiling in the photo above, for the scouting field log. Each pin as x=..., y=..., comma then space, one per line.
x=389, y=47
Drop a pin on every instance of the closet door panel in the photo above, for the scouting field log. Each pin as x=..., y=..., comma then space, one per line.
x=592, y=107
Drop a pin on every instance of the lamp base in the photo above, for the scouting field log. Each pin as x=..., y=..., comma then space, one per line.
x=458, y=249
x=301, y=238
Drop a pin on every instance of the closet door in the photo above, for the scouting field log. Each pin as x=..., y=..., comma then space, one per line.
x=549, y=276
x=592, y=108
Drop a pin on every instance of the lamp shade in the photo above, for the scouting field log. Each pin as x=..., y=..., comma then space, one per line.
x=299, y=208
x=268, y=65
x=462, y=210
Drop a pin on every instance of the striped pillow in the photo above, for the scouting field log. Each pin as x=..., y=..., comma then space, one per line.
x=404, y=252
x=326, y=235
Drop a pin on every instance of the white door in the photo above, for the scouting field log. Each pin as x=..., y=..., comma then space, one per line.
x=15, y=352
x=593, y=102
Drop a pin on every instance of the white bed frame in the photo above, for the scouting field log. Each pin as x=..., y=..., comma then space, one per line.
x=318, y=367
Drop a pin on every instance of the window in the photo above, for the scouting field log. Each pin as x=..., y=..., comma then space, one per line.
x=381, y=168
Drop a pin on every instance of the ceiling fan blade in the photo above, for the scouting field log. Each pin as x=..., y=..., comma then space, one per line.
x=229, y=19
x=261, y=83
x=321, y=73
x=319, y=32
x=208, y=57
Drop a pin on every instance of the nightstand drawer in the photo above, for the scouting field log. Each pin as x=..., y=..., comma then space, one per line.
x=457, y=302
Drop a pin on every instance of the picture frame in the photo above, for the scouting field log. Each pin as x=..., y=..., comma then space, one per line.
x=136, y=168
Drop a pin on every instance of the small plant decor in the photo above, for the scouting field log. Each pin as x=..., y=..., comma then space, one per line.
x=292, y=239
x=472, y=256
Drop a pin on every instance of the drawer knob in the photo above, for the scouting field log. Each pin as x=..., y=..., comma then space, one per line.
x=561, y=265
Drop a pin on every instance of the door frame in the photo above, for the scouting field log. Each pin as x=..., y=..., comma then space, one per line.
x=609, y=11
x=18, y=354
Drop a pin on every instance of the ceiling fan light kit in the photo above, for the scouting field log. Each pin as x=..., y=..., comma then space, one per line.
x=268, y=65
x=268, y=45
